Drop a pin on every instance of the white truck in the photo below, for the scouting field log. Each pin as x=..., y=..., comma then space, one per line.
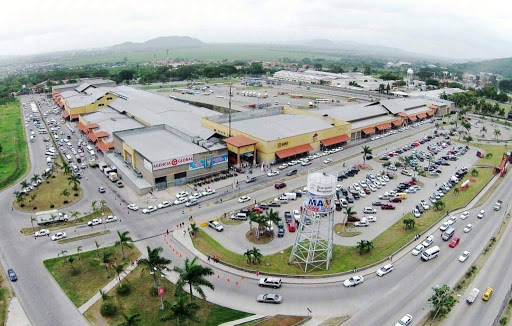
x=49, y=217
x=113, y=176
x=497, y=206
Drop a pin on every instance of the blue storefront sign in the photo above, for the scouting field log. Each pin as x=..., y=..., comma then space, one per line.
x=208, y=162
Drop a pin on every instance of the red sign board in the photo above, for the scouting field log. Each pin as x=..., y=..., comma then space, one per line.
x=161, y=291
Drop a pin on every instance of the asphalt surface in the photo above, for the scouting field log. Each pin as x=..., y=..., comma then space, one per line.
x=378, y=301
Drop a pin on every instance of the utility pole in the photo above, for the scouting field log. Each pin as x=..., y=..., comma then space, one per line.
x=229, y=132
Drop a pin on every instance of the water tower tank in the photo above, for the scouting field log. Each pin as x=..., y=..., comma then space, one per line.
x=321, y=190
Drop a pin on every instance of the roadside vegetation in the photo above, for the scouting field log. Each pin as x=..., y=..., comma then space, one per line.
x=14, y=159
x=5, y=297
x=59, y=188
x=82, y=274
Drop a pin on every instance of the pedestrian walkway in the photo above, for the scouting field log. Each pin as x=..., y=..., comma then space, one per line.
x=108, y=287
x=16, y=315
x=243, y=320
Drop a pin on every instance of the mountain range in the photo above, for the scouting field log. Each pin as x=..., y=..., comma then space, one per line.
x=163, y=42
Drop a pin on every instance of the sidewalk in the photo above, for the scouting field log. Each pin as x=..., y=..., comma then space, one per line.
x=107, y=288
x=243, y=320
x=16, y=315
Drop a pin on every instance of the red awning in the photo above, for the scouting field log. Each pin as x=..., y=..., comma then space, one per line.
x=104, y=147
x=82, y=127
x=430, y=113
x=65, y=114
x=92, y=126
x=369, y=130
x=101, y=134
x=91, y=135
x=384, y=126
x=335, y=140
x=74, y=116
x=402, y=114
x=294, y=151
x=397, y=123
x=412, y=118
x=422, y=115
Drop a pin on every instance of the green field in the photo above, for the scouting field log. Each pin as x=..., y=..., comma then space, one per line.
x=14, y=160
x=5, y=296
x=209, y=314
x=346, y=258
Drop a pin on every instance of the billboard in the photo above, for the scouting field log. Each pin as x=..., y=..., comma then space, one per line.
x=172, y=162
x=208, y=161
x=318, y=204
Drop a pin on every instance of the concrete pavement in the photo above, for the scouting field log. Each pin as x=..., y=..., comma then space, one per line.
x=16, y=315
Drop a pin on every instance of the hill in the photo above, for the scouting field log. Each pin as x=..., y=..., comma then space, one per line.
x=164, y=42
x=496, y=66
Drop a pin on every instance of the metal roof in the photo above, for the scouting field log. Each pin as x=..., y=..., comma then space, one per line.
x=354, y=112
x=400, y=105
x=83, y=100
x=372, y=121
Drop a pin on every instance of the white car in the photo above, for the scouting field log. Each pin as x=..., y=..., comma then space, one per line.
x=370, y=218
x=216, y=225
x=468, y=228
x=353, y=281
x=209, y=191
x=195, y=195
x=481, y=214
x=444, y=226
x=110, y=219
x=272, y=173
x=416, y=213
x=191, y=202
x=42, y=233
x=424, y=204
x=328, y=160
x=283, y=166
x=417, y=250
x=306, y=162
x=404, y=321
x=180, y=200
x=164, y=204
x=244, y=199
x=428, y=241
x=464, y=256
x=296, y=214
x=384, y=270
x=356, y=186
x=452, y=220
x=149, y=209
x=59, y=236
x=94, y=222
x=182, y=194
x=464, y=215
x=292, y=163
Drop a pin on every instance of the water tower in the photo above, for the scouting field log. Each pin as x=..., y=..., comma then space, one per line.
x=410, y=79
x=313, y=244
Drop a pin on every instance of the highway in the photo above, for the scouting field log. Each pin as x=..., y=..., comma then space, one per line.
x=378, y=301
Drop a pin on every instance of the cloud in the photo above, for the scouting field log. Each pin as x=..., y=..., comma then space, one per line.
x=455, y=28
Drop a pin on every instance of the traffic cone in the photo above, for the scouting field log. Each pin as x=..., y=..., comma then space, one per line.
x=228, y=280
x=236, y=283
x=218, y=276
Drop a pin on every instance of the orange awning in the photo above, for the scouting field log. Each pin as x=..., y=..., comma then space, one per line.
x=402, y=114
x=294, y=151
x=92, y=126
x=101, y=134
x=240, y=141
x=74, y=116
x=92, y=137
x=369, y=130
x=104, y=147
x=335, y=140
x=397, y=123
x=412, y=118
x=65, y=114
x=82, y=127
x=422, y=115
x=430, y=113
x=384, y=126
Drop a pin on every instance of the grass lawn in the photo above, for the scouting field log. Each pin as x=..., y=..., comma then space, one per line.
x=72, y=222
x=85, y=236
x=346, y=258
x=5, y=296
x=14, y=160
x=338, y=229
x=282, y=320
x=49, y=193
x=149, y=307
x=92, y=274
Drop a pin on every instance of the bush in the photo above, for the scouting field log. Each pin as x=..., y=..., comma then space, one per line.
x=76, y=194
x=503, y=320
x=52, y=206
x=124, y=289
x=153, y=291
x=108, y=310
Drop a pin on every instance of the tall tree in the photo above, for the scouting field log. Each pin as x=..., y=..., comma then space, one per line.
x=193, y=275
x=118, y=268
x=78, y=251
x=182, y=312
x=106, y=259
x=349, y=212
x=154, y=262
x=131, y=320
x=73, y=179
x=366, y=151
x=442, y=301
x=124, y=241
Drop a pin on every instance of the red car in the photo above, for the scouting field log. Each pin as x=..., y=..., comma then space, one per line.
x=415, y=144
x=256, y=209
x=454, y=242
x=396, y=200
x=412, y=182
x=280, y=185
x=391, y=154
x=291, y=227
x=387, y=206
x=367, y=191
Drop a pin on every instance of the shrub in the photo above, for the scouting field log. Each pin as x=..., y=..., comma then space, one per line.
x=153, y=291
x=76, y=194
x=108, y=310
x=52, y=206
x=124, y=289
x=503, y=320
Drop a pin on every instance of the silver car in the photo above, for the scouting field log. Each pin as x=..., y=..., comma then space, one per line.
x=270, y=298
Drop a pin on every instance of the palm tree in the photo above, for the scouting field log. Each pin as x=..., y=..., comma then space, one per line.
x=97, y=248
x=71, y=259
x=21, y=199
x=364, y=246
x=256, y=255
x=74, y=214
x=438, y=205
x=32, y=220
x=366, y=151
x=488, y=156
x=124, y=241
x=24, y=184
x=62, y=253
x=408, y=223
x=270, y=217
x=474, y=172
x=154, y=262
x=73, y=179
x=193, y=275
x=34, y=177
x=45, y=174
x=194, y=229
x=456, y=191
x=118, y=268
x=182, y=312
x=107, y=260
x=421, y=173
x=103, y=202
x=497, y=133
x=66, y=167
x=65, y=192
x=349, y=212
x=93, y=205
x=131, y=320
x=483, y=131
x=248, y=254
x=78, y=251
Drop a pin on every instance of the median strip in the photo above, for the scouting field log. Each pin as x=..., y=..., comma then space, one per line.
x=83, y=237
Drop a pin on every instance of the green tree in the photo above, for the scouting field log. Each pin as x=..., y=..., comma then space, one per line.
x=74, y=214
x=364, y=246
x=118, y=268
x=439, y=205
x=456, y=191
x=256, y=255
x=193, y=275
x=483, y=131
x=106, y=259
x=349, y=213
x=66, y=167
x=73, y=179
x=34, y=178
x=366, y=151
x=78, y=251
x=103, y=203
x=497, y=133
x=408, y=223
x=24, y=184
x=93, y=205
x=65, y=192
x=131, y=320
x=474, y=172
x=182, y=312
x=154, y=262
x=124, y=241
x=194, y=229
x=97, y=248
x=248, y=255
x=442, y=301
x=71, y=259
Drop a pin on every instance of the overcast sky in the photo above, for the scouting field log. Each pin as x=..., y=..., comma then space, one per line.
x=448, y=28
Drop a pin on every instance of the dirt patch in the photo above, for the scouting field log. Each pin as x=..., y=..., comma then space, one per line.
x=282, y=320
x=263, y=239
x=347, y=233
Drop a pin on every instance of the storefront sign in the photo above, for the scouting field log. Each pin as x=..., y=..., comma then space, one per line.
x=208, y=162
x=173, y=162
x=282, y=144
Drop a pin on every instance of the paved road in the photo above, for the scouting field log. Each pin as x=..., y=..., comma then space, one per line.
x=377, y=301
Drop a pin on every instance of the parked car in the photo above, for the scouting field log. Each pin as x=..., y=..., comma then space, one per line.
x=272, y=282
x=270, y=298
x=216, y=226
x=164, y=204
x=59, y=236
x=387, y=207
x=42, y=233
x=353, y=281
x=12, y=275
x=133, y=207
x=149, y=209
